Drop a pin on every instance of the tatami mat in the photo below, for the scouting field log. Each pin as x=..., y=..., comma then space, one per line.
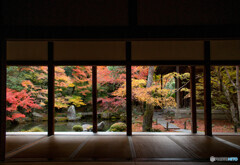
x=205, y=147
x=55, y=147
x=118, y=150
x=14, y=142
x=157, y=147
x=232, y=139
x=106, y=147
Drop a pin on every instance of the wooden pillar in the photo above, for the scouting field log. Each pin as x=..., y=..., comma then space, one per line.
x=193, y=98
x=129, y=88
x=3, y=99
x=207, y=90
x=51, y=98
x=94, y=97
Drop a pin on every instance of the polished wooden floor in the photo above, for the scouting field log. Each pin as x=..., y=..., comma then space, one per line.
x=140, y=150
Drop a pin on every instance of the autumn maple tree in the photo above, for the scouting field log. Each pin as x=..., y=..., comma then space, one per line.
x=26, y=90
x=149, y=92
x=109, y=79
x=19, y=103
x=225, y=91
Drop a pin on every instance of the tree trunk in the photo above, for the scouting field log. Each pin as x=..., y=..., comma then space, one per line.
x=147, y=118
x=238, y=90
x=148, y=114
x=232, y=106
x=228, y=96
x=150, y=76
x=177, y=115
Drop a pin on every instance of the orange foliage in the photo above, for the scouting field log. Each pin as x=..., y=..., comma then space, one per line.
x=61, y=79
x=19, y=100
x=153, y=95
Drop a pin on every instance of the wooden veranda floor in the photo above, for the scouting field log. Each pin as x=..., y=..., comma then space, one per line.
x=108, y=149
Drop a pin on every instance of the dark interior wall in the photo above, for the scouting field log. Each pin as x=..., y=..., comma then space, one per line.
x=188, y=12
x=115, y=12
x=65, y=12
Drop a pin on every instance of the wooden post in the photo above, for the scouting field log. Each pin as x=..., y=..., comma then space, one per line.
x=193, y=98
x=94, y=97
x=132, y=21
x=3, y=99
x=207, y=90
x=167, y=126
x=51, y=98
x=129, y=88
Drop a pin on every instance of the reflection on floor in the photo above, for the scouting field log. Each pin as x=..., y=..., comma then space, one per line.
x=139, y=150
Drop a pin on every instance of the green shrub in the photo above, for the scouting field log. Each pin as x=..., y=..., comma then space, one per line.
x=118, y=127
x=35, y=129
x=90, y=128
x=77, y=128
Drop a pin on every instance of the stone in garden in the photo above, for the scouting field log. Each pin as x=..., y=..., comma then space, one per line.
x=101, y=125
x=86, y=126
x=71, y=113
x=37, y=116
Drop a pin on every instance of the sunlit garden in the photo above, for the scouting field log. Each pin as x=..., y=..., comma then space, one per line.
x=160, y=99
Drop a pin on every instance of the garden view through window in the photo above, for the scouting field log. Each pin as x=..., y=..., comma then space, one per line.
x=27, y=99
x=111, y=107
x=73, y=98
x=225, y=90
x=160, y=99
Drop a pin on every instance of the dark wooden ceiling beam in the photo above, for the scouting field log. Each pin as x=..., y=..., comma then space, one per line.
x=123, y=32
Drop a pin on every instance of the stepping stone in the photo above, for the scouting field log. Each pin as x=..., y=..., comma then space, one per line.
x=170, y=125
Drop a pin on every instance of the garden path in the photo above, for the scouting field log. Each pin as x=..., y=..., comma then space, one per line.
x=158, y=116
